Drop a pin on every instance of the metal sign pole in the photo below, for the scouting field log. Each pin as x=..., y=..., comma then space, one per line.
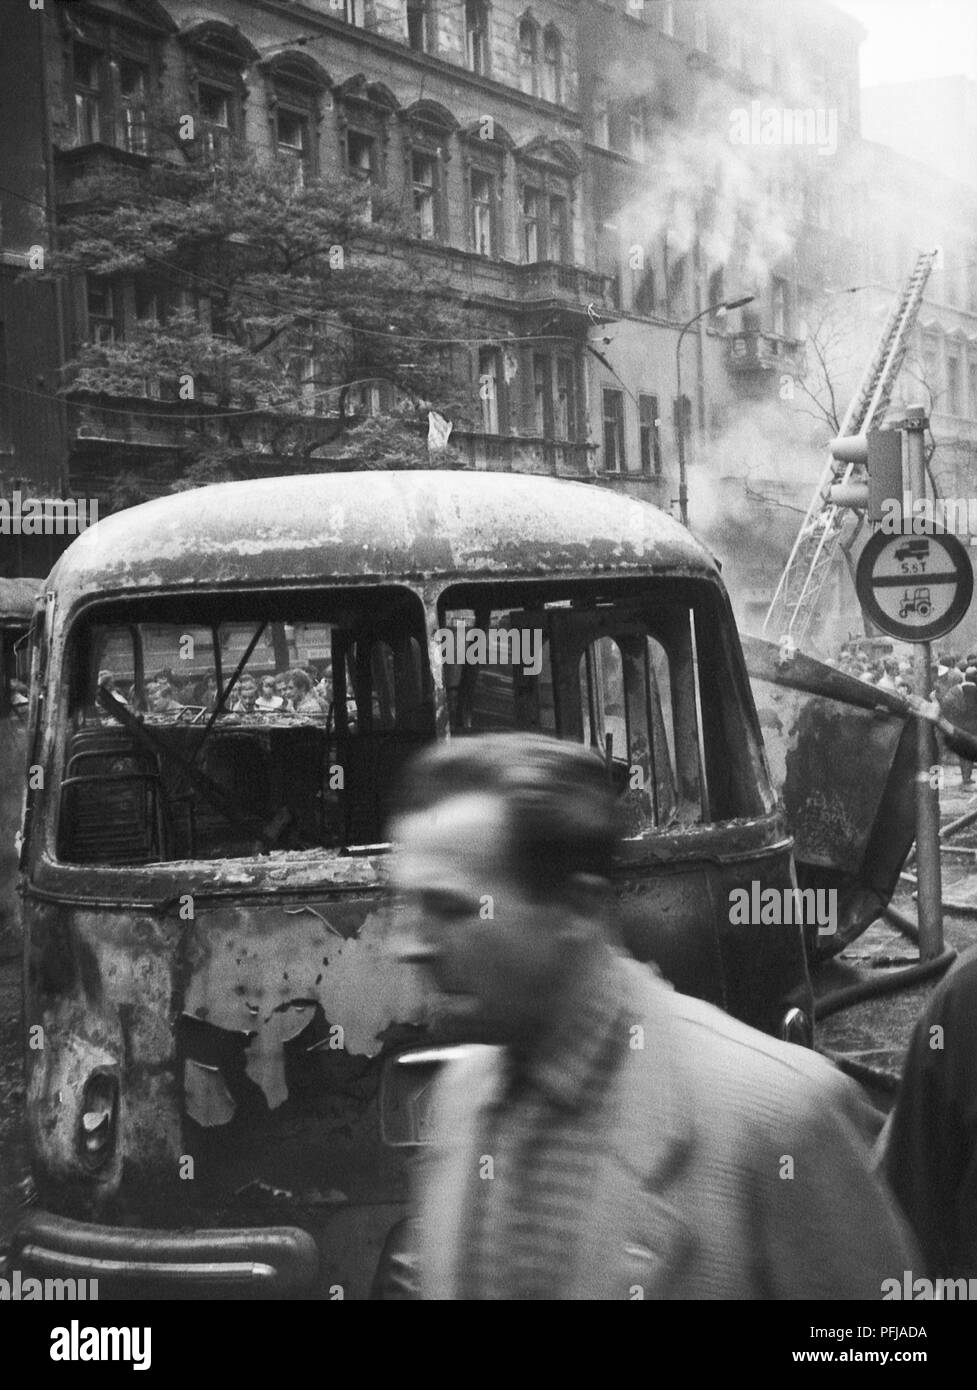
x=929, y=872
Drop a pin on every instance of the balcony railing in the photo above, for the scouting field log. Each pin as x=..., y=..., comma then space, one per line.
x=523, y=453
x=551, y=282
x=760, y=351
x=154, y=423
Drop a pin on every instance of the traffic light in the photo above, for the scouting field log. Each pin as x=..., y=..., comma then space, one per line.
x=881, y=452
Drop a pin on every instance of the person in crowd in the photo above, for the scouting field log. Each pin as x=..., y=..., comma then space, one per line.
x=267, y=699
x=19, y=698
x=640, y=1143
x=299, y=694
x=959, y=705
x=162, y=699
x=208, y=692
x=890, y=672
x=247, y=695
x=106, y=682
x=928, y=1148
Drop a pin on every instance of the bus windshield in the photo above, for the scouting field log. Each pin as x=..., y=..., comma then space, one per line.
x=226, y=728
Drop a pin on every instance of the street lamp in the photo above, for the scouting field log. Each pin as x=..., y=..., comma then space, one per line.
x=722, y=307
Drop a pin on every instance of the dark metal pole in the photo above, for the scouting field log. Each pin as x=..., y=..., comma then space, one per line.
x=683, y=483
x=928, y=868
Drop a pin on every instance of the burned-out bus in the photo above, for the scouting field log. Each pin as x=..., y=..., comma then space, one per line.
x=210, y=997
x=17, y=596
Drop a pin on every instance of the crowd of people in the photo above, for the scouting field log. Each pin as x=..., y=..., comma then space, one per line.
x=953, y=682
x=302, y=690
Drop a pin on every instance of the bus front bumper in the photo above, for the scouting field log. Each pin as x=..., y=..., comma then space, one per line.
x=263, y=1261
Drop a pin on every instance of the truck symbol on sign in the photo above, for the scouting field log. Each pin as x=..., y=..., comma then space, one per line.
x=917, y=602
x=914, y=550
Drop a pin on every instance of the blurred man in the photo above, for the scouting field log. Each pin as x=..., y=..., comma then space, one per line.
x=959, y=705
x=616, y=1140
x=929, y=1146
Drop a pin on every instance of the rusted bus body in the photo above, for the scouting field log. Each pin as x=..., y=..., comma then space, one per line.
x=213, y=984
x=16, y=605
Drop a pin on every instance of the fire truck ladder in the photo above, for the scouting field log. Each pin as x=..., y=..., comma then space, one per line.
x=798, y=592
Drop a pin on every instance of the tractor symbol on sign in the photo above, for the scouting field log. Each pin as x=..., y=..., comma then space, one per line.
x=916, y=602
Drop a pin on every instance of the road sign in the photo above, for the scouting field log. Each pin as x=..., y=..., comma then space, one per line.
x=914, y=587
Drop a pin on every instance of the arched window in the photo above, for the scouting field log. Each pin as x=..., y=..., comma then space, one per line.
x=295, y=86
x=220, y=55
x=528, y=57
x=552, y=65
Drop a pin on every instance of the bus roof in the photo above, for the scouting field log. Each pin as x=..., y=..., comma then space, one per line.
x=378, y=526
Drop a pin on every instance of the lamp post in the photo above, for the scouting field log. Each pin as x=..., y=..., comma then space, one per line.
x=723, y=306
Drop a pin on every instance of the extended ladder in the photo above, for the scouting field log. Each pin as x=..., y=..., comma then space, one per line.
x=796, y=598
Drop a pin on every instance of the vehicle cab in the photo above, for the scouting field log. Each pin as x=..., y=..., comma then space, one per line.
x=203, y=875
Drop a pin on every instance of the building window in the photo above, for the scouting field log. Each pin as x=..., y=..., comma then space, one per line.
x=214, y=105
x=132, y=106
x=530, y=225
x=483, y=201
x=476, y=35
x=417, y=25
x=361, y=154
x=300, y=371
x=352, y=10
x=636, y=134
x=565, y=404
x=602, y=125
x=778, y=305
x=646, y=289
x=541, y=395
x=650, y=435
x=489, y=388
x=552, y=63
x=614, y=457
x=557, y=248
x=675, y=287
x=101, y=310
x=88, y=94
x=292, y=139
x=953, y=384
x=668, y=18
x=424, y=178
x=715, y=289
x=528, y=57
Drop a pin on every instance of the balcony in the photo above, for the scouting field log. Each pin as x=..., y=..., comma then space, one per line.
x=553, y=285
x=79, y=162
x=760, y=351
x=498, y=453
x=149, y=423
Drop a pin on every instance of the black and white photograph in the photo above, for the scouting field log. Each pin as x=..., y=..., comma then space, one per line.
x=488, y=665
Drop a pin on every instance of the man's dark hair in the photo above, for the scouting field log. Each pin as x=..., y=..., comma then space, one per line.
x=561, y=811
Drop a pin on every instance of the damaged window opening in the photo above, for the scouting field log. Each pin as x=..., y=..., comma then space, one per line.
x=325, y=697
x=634, y=678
